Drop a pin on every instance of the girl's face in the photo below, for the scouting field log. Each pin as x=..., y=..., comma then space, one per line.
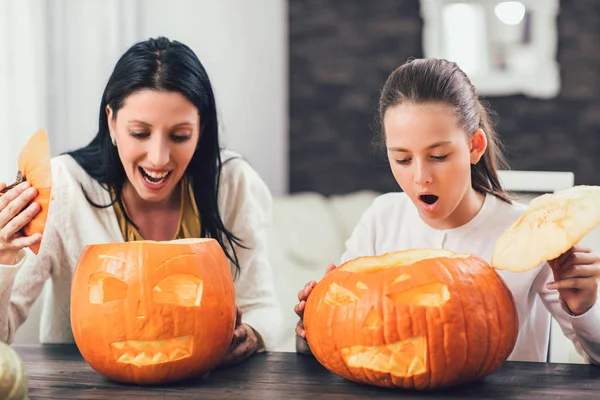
x=156, y=134
x=430, y=156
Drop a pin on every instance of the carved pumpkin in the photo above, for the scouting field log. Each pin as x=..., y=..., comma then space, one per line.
x=153, y=312
x=13, y=376
x=416, y=319
x=550, y=226
x=34, y=167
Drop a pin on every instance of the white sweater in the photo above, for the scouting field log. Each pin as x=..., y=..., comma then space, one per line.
x=392, y=223
x=245, y=206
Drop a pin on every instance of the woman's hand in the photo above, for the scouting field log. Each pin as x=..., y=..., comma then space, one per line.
x=16, y=212
x=245, y=342
x=302, y=297
x=576, y=275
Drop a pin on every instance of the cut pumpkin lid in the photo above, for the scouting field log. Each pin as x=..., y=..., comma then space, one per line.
x=550, y=226
x=373, y=264
x=34, y=167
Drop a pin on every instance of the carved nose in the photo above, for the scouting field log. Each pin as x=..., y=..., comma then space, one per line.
x=140, y=310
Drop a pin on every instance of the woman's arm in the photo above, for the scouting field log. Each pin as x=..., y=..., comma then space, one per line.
x=22, y=283
x=245, y=203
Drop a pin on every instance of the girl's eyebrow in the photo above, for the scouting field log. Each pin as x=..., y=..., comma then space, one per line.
x=136, y=121
x=431, y=146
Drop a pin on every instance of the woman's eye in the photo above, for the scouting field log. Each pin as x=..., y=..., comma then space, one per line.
x=404, y=161
x=439, y=158
x=180, y=138
x=140, y=135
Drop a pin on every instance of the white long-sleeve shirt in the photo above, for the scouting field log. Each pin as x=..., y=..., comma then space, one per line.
x=392, y=223
x=245, y=206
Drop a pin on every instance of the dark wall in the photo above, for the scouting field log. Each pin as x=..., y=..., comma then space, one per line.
x=341, y=52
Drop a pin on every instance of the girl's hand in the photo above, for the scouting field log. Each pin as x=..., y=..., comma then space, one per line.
x=576, y=275
x=302, y=297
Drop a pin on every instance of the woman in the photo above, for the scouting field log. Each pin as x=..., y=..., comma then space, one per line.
x=444, y=155
x=154, y=171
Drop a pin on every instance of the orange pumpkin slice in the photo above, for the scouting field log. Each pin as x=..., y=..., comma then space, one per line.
x=551, y=225
x=34, y=167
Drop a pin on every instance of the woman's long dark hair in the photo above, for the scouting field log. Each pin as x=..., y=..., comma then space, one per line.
x=169, y=66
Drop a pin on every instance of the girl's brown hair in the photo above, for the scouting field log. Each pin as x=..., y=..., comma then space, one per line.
x=441, y=81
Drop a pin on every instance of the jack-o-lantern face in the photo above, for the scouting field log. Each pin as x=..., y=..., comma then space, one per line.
x=153, y=312
x=414, y=319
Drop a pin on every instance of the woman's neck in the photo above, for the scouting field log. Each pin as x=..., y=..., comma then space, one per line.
x=154, y=220
x=136, y=205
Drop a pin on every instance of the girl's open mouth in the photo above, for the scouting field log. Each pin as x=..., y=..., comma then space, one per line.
x=429, y=199
x=429, y=202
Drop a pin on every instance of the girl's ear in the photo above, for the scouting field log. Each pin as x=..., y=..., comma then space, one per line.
x=477, y=144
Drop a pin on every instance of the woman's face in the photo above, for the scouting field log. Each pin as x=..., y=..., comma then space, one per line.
x=430, y=156
x=156, y=134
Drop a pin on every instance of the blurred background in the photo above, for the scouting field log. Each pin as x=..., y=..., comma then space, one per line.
x=297, y=83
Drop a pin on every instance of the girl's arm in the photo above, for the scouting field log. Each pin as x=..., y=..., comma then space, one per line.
x=583, y=330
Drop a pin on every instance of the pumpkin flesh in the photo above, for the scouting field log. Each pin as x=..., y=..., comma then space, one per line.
x=153, y=312
x=550, y=226
x=417, y=319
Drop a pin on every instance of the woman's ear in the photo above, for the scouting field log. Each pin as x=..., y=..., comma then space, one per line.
x=111, y=122
x=477, y=144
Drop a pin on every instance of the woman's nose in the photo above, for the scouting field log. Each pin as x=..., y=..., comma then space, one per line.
x=158, y=153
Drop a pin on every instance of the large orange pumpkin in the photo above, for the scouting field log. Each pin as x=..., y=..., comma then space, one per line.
x=34, y=167
x=415, y=319
x=153, y=312
x=550, y=226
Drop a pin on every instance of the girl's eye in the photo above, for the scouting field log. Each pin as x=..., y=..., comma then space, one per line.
x=439, y=158
x=403, y=161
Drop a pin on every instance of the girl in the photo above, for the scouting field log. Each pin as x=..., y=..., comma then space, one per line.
x=154, y=171
x=444, y=155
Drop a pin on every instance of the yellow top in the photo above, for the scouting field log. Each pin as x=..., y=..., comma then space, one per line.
x=189, y=221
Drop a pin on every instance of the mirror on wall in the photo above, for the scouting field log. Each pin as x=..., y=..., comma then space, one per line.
x=505, y=47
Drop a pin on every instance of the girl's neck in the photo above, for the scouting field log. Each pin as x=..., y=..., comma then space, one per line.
x=467, y=209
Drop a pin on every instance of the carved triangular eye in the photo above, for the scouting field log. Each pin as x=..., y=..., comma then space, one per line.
x=105, y=287
x=428, y=295
x=180, y=289
x=337, y=295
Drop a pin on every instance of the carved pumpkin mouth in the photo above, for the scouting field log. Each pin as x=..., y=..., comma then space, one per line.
x=404, y=358
x=150, y=352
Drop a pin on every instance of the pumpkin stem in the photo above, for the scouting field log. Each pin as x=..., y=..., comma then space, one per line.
x=20, y=178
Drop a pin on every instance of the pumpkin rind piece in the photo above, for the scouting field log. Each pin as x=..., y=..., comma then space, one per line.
x=35, y=167
x=550, y=226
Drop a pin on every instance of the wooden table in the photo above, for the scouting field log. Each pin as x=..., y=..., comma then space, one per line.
x=59, y=372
